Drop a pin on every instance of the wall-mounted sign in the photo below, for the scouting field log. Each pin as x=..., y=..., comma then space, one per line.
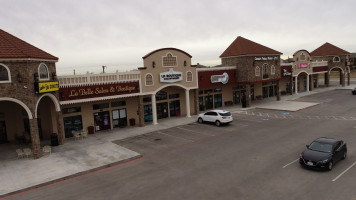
x=224, y=78
x=44, y=87
x=83, y=92
x=264, y=58
x=286, y=73
x=170, y=76
x=302, y=65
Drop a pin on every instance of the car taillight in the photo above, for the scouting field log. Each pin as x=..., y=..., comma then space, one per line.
x=224, y=117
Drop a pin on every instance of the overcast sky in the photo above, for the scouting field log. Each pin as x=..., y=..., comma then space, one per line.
x=86, y=35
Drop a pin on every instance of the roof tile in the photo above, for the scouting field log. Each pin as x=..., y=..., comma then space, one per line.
x=328, y=49
x=241, y=46
x=13, y=47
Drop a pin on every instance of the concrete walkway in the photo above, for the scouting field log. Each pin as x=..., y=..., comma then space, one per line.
x=98, y=151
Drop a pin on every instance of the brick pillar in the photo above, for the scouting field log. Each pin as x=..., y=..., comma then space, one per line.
x=248, y=95
x=342, y=76
x=141, y=117
x=35, y=139
x=60, y=132
x=326, y=79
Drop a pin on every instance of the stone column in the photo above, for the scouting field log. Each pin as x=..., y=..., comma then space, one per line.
x=326, y=79
x=141, y=113
x=278, y=92
x=60, y=132
x=154, y=109
x=348, y=78
x=291, y=85
x=296, y=85
x=187, y=103
x=308, y=82
x=248, y=95
x=342, y=76
x=35, y=139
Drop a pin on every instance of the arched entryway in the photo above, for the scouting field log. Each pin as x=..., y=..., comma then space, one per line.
x=168, y=101
x=336, y=76
x=301, y=82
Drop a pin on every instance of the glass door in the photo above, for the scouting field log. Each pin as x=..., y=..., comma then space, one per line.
x=174, y=108
x=102, y=120
x=119, y=118
x=73, y=123
x=209, y=102
x=162, y=110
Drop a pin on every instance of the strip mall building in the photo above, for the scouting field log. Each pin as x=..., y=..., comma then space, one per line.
x=35, y=102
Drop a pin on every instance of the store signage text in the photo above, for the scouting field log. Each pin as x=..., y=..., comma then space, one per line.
x=44, y=87
x=286, y=73
x=302, y=65
x=224, y=78
x=100, y=90
x=170, y=76
x=264, y=58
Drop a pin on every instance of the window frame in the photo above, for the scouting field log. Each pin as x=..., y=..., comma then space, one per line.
x=257, y=71
x=8, y=74
x=191, y=76
x=339, y=60
x=39, y=74
x=149, y=74
x=169, y=53
x=273, y=70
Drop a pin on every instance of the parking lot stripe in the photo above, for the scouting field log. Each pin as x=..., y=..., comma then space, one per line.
x=344, y=172
x=184, y=129
x=174, y=136
x=290, y=163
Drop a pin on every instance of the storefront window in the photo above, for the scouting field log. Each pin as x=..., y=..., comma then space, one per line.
x=201, y=91
x=102, y=120
x=147, y=113
x=100, y=106
x=119, y=118
x=162, y=110
x=208, y=91
x=71, y=110
x=73, y=123
x=147, y=99
x=174, y=96
x=161, y=95
x=118, y=103
x=217, y=89
x=201, y=104
x=209, y=102
x=217, y=100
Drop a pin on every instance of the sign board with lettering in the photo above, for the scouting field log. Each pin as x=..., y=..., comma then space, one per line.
x=43, y=87
x=302, y=65
x=170, y=76
x=224, y=78
x=265, y=58
x=92, y=91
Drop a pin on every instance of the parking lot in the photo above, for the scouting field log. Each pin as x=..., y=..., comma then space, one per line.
x=254, y=157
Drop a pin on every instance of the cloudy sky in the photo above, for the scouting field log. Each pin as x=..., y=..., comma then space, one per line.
x=86, y=35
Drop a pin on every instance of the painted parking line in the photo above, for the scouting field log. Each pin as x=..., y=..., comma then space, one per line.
x=344, y=172
x=185, y=129
x=290, y=163
x=174, y=136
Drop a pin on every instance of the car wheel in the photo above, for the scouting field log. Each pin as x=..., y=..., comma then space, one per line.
x=200, y=120
x=344, y=156
x=330, y=166
x=217, y=123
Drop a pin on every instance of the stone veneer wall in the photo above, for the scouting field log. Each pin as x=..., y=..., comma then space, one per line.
x=246, y=68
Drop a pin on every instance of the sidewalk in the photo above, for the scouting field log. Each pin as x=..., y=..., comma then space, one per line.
x=76, y=157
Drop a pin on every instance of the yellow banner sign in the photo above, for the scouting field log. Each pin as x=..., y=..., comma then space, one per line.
x=48, y=87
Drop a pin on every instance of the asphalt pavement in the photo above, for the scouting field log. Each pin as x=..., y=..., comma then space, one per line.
x=98, y=151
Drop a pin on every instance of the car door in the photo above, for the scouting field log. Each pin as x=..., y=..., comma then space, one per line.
x=338, y=153
x=209, y=116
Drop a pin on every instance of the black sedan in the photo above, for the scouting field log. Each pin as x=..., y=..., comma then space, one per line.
x=323, y=153
x=354, y=91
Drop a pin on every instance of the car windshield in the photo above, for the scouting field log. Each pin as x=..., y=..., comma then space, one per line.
x=225, y=114
x=322, y=147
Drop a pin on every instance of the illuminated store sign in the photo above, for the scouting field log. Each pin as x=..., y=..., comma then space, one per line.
x=170, y=76
x=224, y=78
x=264, y=58
x=302, y=65
x=44, y=87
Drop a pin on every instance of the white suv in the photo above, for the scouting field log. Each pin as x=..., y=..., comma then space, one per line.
x=216, y=116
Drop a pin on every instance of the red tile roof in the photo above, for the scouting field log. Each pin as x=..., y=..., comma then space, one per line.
x=242, y=46
x=13, y=47
x=328, y=49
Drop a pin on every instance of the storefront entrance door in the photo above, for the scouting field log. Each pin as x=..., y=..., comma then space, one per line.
x=209, y=102
x=119, y=118
x=3, y=135
x=102, y=120
x=174, y=108
x=162, y=110
x=236, y=96
x=73, y=123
